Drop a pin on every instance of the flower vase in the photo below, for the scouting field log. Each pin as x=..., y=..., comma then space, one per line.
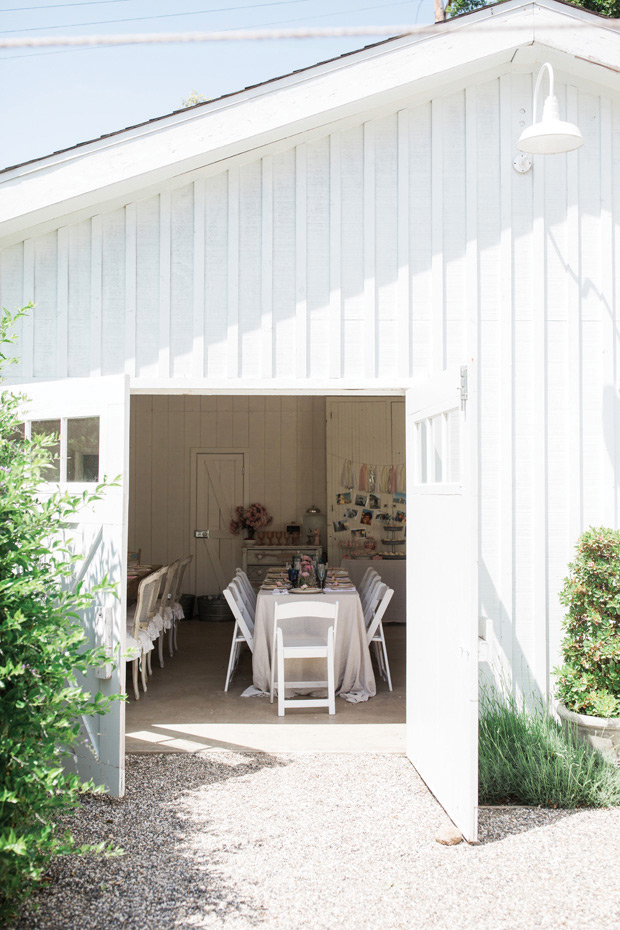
x=249, y=534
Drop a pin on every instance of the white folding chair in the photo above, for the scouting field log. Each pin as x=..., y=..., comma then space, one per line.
x=375, y=634
x=369, y=597
x=238, y=587
x=370, y=577
x=365, y=579
x=304, y=630
x=139, y=639
x=177, y=610
x=241, y=576
x=242, y=633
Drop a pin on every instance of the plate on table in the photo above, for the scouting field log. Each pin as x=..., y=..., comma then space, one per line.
x=306, y=591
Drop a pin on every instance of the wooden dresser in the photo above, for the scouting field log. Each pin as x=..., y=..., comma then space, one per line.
x=257, y=559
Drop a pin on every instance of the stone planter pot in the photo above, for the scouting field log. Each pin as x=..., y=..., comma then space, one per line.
x=601, y=732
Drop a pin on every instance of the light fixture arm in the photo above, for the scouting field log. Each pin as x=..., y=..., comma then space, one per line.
x=546, y=67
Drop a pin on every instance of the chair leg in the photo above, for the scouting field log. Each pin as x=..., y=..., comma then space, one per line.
x=385, y=660
x=134, y=675
x=143, y=669
x=176, y=626
x=149, y=663
x=161, y=649
x=232, y=659
x=171, y=637
x=331, y=690
x=273, y=672
x=281, y=682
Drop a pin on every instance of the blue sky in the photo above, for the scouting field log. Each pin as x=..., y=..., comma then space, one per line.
x=53, y=99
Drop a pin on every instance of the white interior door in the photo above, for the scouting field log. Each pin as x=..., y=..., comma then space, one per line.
x=92, y=418
x=442, y=592
x=219, y=489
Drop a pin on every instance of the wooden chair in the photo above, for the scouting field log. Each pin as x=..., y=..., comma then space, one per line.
x=163, y=616
x=242, y=633
x=304, y=630
x=177, y=610
x=139, y=639
x=375, y=633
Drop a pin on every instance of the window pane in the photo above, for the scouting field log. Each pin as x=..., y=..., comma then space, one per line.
x=83, y=449
x=423, y=450
x=47, y=428
x=18, y=434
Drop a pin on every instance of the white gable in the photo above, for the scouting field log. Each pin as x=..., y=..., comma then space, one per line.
x=388, y=76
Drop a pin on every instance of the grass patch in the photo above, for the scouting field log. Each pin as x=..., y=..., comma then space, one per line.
x=525, y=757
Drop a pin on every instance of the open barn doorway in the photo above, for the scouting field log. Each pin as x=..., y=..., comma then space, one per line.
x=193, y=460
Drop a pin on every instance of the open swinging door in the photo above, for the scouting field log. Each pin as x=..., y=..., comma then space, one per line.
x=442, y=591
x=91, y=417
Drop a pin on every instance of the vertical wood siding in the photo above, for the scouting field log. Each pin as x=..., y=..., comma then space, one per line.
x=284, y=438
x=364, y=254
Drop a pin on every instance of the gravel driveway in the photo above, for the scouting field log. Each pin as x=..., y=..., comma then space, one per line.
x=322, y=841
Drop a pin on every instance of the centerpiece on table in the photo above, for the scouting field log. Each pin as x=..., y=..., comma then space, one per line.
x=307, y=575
x=588, y=682
x=250, y=519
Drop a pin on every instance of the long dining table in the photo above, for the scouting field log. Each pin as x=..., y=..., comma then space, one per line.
x=355, y=680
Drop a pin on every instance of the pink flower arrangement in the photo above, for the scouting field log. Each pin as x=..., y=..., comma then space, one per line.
x=250, y=518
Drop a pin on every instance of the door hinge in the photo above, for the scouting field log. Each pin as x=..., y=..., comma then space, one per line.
x=464, y=393
x=201, y=534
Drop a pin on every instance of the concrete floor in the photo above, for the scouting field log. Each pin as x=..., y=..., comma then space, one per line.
x=187, y=710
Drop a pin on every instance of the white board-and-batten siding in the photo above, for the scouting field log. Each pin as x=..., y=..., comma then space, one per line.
x=376, y=255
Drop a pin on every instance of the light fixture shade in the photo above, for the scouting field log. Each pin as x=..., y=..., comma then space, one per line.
x=551, y=135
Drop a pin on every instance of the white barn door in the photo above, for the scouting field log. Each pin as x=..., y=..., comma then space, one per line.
x=92, y=418
x=442, y=592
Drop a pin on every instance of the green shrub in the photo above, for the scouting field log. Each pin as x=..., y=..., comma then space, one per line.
x=588, y=682
x=42, y=651
x=525, y=757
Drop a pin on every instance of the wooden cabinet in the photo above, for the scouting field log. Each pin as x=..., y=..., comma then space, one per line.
x=258, y=559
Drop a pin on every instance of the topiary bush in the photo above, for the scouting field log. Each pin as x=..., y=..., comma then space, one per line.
x=588, y=681
x=42, y=653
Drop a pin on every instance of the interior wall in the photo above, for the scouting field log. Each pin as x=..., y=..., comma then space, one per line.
x=284, y=438
x=369, y=430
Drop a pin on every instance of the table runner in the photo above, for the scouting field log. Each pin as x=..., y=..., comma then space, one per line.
x=355, y=680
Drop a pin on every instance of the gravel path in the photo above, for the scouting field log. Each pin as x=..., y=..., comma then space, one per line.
x=322, y=841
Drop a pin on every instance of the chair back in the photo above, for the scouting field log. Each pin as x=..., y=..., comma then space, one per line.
x=242, y=599
x=242, y=621
x=384, y=596
x=365, y=579
x=168, y=585
x=305, y=617
x=183, y=564
x=241, y=576
x=148, y=590
x=369, y=598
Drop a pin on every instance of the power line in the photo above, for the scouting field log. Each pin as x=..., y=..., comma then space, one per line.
x=138, y=19
x=56, y=6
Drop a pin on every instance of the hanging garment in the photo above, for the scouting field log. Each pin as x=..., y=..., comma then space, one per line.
x=346, y=478
x=363, y=480
x=401, y=481
x=372, y=479
x=393, y=478
x=384, y=485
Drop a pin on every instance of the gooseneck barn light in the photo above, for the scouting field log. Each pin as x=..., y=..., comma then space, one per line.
x=550, y=135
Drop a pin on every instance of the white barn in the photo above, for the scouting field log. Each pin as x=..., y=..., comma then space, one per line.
x=353, y=230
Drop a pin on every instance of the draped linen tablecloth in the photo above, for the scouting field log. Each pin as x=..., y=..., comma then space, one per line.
x=355, y=680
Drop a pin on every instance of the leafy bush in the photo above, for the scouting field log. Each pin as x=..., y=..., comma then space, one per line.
x=602, y=7
x=42, y=651
x=589, y=679
x=525, y=757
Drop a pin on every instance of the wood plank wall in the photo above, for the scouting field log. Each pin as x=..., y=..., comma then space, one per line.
x=283, y=436
x=366, y=254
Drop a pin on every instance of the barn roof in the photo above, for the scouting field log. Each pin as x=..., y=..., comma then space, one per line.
x=140, y=159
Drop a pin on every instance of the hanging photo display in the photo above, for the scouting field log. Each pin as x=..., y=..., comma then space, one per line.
x=377, y=493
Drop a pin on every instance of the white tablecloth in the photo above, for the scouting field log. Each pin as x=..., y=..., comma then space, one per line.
x=355, y=680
